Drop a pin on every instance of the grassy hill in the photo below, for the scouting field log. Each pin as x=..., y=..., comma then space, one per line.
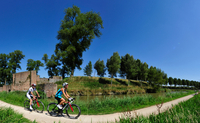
x=82, y=85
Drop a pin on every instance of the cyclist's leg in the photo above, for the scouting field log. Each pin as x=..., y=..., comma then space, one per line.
x=62, y=100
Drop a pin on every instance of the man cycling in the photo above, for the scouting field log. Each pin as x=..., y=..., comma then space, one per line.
x=30, y=94
x=59, y=93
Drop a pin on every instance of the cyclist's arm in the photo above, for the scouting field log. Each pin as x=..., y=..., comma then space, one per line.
x=66, y=96
x=37, y=93
x=32, y=94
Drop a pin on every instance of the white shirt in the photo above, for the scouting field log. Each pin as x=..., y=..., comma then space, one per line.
x=31, y=90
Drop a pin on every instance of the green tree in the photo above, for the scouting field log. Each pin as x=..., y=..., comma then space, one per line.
x=175, y=81
x=159, y=77
x=165, y=78
x=171, y=81
x=152, y=75
x=179, y=82
x=88, y=69
x=138, y=69
x=15, y=58
x=113, y=65
x=34, y=65
x=127, y=67
x=144, y=71
x=183, y=82
x=188, y=83
x=100, y=67
x=76, y=33
x=52, y=65
x=5, y=70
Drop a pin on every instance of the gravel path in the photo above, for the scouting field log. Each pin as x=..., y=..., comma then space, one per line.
x=46, y=118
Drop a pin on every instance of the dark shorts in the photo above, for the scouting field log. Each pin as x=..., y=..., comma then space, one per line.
x=58, y=98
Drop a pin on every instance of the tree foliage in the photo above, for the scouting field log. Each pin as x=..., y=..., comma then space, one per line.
x=88, y=69
x=113, y=65
x=127, y=67
x=34, y=65
x=100, y=67
x=76, y=33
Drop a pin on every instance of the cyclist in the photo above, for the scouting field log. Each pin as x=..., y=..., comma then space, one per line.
x=59, y=93
x=30, y=94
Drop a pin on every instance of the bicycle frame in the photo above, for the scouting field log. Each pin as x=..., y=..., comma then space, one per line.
x=68, y=103
x=35, y=100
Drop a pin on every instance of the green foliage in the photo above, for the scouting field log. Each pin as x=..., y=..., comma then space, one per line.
x=76, y=33
x=170, y=81
x=7, y=115
x=15, y=58
x=100, y=68
x=113, y=64
x=187, y=111
x=34, y=65
x=52, y=65
x=128, y=67
x=88, y=69
x=9, y=64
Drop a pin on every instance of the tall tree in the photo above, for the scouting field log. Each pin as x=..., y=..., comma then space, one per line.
x=52, y=65
x=88, y=69
x=15, y=60
x=152, y=75
x=34, y=65
x=100, y=67
x=144, y=71
x=184, y=82
x=159, y=77
x=76, y=33
x=188, y=83
x=127, y=67
x=113, y=65
x=179, y=82
x=165, y=78
x=138, y=69
x=170, y=81
x=5, y=70
x=175, y=81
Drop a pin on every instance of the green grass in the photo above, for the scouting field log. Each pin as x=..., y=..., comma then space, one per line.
x=188, y=111
x=7, y=115
x=103, y=106
x=113, y=105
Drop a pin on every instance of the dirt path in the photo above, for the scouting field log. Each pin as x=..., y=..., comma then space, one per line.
x=46, y=118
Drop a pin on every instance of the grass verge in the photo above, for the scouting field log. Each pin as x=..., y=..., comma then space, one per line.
x=7, y=115
x=103, y=106
x=187, y=111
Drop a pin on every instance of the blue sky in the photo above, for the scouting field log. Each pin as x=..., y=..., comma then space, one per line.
x=162, y=33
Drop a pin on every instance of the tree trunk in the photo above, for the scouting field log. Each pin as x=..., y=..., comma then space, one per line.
x=72, y=73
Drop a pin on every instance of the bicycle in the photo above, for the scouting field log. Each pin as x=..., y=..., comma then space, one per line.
x=73, y=111
x=36, y=105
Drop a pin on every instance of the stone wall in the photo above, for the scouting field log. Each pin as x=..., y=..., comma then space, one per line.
x=49, y=88
x=22, y=82
x=55, y=79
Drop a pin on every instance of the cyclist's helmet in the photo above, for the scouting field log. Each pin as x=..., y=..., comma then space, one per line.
x=33, y=84
x=64, y=84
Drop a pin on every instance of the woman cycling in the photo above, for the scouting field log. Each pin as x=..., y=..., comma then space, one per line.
x=59, y=93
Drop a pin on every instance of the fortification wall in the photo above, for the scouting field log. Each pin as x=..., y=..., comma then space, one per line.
x=50, y=89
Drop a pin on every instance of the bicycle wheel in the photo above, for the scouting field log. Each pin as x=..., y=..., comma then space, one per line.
x=52, y=109
x=73, y=112
x=27, y=104
x=38, y=106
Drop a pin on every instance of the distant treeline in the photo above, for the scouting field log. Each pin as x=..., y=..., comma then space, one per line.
x=133, y=69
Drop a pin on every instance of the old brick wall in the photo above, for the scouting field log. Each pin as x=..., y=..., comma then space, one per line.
x=43, y=80
x=50, y=89
x=55, y=79
x=6, y=87
x=1, y=89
